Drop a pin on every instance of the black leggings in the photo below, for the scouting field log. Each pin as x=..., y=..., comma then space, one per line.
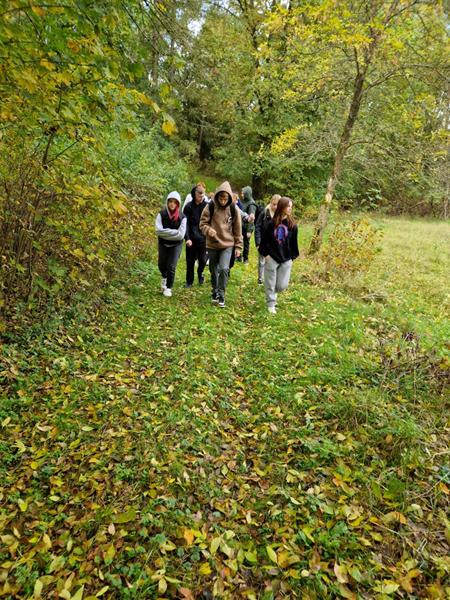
x=167, y=261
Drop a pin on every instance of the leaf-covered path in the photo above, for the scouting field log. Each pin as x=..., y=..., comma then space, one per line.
x=166, y=448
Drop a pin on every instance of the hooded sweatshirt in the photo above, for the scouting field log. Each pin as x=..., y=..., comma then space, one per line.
x=280, y=243
x=229, y=231
x=262, y=221
x=169, y=231
x=248, y=206
x=193, y=212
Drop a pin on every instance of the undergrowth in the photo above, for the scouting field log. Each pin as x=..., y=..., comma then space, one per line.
x=156, y=448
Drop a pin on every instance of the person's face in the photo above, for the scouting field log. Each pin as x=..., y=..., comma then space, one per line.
x=274, y=204
x=172, y=204
x=288, y=209
x=235, y=198
x=199, y=194
x=223, y=198
x=242, y=194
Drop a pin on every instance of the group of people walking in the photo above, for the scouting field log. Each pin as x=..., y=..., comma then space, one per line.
x=219, y=230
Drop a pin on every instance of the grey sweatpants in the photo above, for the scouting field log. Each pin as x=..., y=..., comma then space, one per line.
x=261, y=265
x=276, y=279
x=219, y=267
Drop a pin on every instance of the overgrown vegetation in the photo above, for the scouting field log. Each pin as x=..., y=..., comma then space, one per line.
x=158, y=449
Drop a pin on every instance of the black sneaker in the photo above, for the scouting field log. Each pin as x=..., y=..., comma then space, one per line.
x=201, y=279
x=188, y=285
x=245, y=261
x=221, y=302
x=214, y=297
x=238, y=259
x=260, y=281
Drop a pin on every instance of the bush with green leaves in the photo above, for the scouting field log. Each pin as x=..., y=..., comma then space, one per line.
x=351, y=247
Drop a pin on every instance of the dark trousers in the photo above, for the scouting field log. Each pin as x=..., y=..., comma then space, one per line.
x=167, y=261
x=193, y=253
x=246, y=245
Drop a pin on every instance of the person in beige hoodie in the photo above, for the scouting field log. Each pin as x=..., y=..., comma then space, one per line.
x=221, y=224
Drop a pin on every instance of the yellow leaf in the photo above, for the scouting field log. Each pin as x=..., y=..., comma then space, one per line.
x=38, y=588
x=73, y=45
x=168, y=127
x=120, y=207
x=215, y=545
x=272, y=554
x=188, y=536
x=102, y=591
x=79, y=594
x=162, y=586
x=41, y=12
x=110, y=552
x=205, y=569
x=22, y=505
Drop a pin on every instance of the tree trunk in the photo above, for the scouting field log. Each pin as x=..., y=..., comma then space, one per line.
x=200, y=137
x=344, y=143
x=258, y=187
x=155, y=59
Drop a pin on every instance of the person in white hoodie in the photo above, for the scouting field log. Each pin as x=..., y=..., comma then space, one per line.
x=170, y=227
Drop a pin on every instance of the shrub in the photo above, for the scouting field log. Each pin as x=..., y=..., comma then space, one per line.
x=351, y=248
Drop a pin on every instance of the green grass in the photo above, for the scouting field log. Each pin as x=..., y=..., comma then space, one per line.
x=155, y=444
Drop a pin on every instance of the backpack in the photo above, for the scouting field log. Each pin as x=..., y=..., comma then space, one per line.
x=259, y=209
x=211, y=211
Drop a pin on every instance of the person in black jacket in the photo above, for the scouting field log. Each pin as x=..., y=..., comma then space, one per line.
x=279, y=245
x=195, y=240
x=264, y=218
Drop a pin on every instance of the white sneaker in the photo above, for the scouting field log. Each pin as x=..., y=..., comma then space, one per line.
x=272, y=309
x=163, y=284
x=167, y=292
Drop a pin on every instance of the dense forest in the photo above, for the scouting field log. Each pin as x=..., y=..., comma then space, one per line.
x=105, y=106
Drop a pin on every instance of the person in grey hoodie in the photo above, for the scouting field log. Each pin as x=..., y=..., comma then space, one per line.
x=220, y=222
x=170, y=228
x=249, y=207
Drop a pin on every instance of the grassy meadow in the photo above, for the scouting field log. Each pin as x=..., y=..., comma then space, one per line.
x=160, y=447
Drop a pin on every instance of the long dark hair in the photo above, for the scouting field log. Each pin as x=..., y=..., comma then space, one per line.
x=278, y=216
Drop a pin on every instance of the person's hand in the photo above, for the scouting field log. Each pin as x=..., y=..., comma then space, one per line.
x=212, y=232
x=251, y=218
x=237, y=253
x=267, y=257
x=188, y=243
x=249, y=235
x=257, y=247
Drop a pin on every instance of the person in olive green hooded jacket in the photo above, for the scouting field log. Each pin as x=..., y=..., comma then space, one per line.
x=248, y=206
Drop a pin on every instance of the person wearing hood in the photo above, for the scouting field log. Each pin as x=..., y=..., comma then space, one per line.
x=195, y=240
x=170, y=228
x=248, y=206
x=264, y=218
x=221, y=223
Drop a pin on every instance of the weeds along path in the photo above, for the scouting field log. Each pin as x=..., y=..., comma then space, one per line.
x=168, y=448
